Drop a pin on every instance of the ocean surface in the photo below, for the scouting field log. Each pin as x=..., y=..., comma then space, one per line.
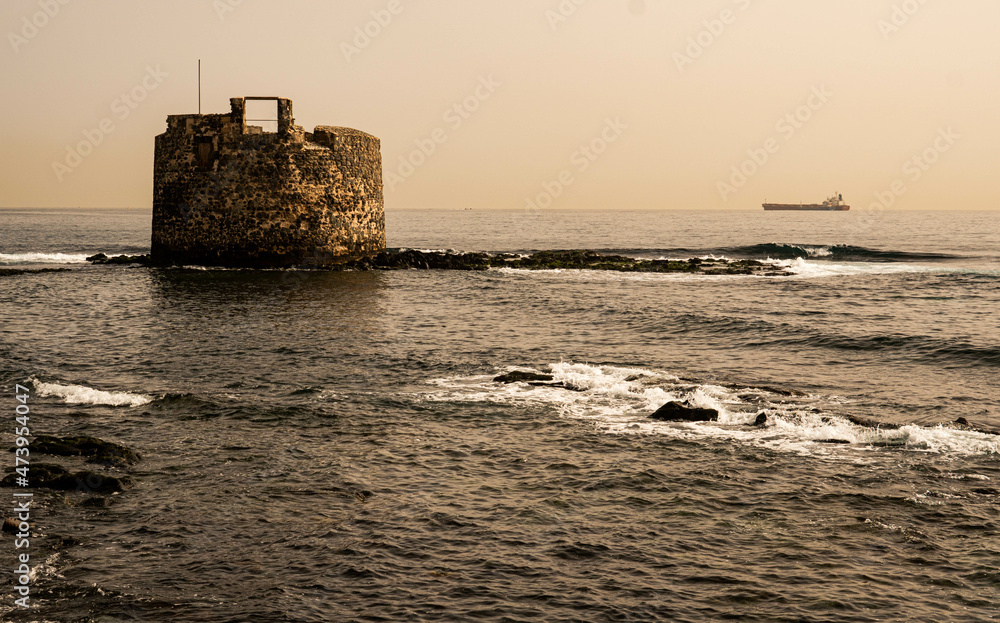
x=331, y=446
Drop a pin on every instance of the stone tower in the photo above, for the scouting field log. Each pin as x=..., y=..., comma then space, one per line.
x=230, y=194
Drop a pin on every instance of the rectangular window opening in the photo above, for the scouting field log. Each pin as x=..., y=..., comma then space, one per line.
x=204, y=153
x=263, y=114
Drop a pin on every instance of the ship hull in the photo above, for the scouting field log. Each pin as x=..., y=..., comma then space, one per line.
x=805, y=207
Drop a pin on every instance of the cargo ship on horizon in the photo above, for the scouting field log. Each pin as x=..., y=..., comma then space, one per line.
x=833, y=203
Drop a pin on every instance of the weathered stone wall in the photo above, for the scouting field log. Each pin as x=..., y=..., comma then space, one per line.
x=227, y=194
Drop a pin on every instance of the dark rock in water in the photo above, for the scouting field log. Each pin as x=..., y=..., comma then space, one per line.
x=401, y=259
x=96, y=450
x=38, y=474
x=684, y=412
x=781, y=391
x=65, y=541
x=870, y=423
x=9, y=525
x=964, y=424
x=761, y=420
x=979, y=490
x=767, y=388
x=833, y=441
x=101, y=258
x=50, y=476
x=576, y=259
x=96, y=502
x=10, y=272
x=558, y=385
x=518, y=376
x=90, y=482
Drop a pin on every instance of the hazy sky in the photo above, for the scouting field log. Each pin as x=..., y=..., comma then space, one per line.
x=598, y=104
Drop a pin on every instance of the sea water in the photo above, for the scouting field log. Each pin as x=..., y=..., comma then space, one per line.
x=332, y=446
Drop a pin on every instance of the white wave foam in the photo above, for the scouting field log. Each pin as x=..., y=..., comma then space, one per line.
x=619, y=400
x=801, y=267
x=584, y=275
x=953, y=476
x=80, y=394
x=818, y=251
x=8, y=259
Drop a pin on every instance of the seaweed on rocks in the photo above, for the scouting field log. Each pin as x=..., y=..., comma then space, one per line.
x=403, y=259
x=101, y=258
x=574, y=259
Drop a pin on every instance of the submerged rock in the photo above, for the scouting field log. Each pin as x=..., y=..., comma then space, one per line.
x=518, y=376
x=558, y=385
x=536, y=379
x=761, y=419
x=41, y=476
x=403, y=259
x=964, y=424
x=95, y=450
x=870, y=423
x=96, y=502
x=399, y=259
x=38, y=475
x=101, y=258
x=10, y=272
x=51, y=476
x=89, y=482
x=578, y=259
x=684, y=412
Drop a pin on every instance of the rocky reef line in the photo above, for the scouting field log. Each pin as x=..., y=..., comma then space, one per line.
x=411, y=259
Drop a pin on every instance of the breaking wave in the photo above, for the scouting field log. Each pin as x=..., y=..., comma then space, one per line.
x=619, y=400
x=14, y=259
x=81, y=394
x=838, y=252
x=792, y=251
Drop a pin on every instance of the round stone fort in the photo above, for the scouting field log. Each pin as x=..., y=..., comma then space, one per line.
x=226, y=193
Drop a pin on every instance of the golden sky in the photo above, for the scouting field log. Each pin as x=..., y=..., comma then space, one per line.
x=561, y=104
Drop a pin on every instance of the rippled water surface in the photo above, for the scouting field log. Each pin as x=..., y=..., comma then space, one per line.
x=333, y=447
